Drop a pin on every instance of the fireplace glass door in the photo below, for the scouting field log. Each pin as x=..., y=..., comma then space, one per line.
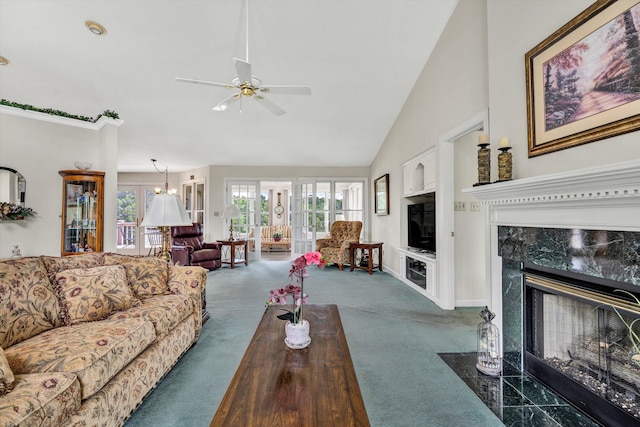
x=591, y=338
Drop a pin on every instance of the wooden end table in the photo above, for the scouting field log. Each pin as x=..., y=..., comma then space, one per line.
x=277, y=386
x=365, y=248
x=234, y=252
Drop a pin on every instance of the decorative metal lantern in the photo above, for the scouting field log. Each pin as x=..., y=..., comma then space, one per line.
x=489, y=361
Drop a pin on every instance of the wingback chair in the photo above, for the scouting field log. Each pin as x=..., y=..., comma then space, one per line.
x=188, y=247
x=335, y=247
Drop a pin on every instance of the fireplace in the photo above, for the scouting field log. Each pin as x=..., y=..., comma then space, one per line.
x=581, y=339
x=561, y=246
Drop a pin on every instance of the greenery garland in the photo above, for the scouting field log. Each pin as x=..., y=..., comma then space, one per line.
x=107, y=113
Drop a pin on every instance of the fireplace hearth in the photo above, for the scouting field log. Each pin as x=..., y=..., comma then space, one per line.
x=581, y=340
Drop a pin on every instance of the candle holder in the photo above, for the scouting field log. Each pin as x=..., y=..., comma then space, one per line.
x=484, y=164
x=504, y=164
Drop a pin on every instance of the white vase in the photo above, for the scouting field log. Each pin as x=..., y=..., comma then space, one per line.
x=297, y=335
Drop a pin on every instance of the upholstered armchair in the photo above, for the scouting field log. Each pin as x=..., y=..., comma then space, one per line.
x=335, y=247
x=189, y=248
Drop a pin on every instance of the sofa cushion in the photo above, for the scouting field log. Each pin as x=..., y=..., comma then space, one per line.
x=88, y=294
x=6, y=375
x=164, y=311
x=41, y=400
x=27, y=300
x=55, y=264
x=146, y=275
x=94, y=351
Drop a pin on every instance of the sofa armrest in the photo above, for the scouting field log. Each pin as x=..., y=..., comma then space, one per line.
x=190, y=281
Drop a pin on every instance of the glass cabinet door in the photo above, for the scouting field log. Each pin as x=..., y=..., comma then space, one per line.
x=82, y=211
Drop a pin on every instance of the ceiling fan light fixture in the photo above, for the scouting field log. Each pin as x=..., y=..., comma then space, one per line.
x=3, y=61
x=95, y=28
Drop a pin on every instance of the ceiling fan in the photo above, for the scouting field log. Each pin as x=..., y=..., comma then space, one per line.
x=249, y=86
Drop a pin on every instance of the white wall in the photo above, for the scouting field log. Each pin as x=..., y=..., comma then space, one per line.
x=451, y=89
x=515, y=27
x=38, y=149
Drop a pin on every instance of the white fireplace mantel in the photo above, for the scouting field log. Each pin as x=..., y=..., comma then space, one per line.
x=604, y=197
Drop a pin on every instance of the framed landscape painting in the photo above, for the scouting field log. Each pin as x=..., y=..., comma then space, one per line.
x=381, y=188
x=583, y=81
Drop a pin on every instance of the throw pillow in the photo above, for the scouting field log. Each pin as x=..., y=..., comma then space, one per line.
x=147, y=276
x=28, y=303
x=88, y=294
x=6, y=376
x=56, y=264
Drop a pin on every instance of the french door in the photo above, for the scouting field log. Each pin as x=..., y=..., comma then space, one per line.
x=245, y=195
x=311, y=213
x=132, y=203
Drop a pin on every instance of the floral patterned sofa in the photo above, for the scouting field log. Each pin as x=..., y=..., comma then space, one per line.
x=84, y=338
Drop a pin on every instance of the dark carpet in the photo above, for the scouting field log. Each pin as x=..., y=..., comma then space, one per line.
x=394, y=335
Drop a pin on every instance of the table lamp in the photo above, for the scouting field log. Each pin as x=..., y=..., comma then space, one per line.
x=230, y=212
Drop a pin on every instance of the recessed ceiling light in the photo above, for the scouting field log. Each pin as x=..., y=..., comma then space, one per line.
x=95, y=28
x=4, y=61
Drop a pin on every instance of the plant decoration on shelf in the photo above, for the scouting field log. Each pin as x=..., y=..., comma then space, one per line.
x=277, y=236
x=296, y=328
x=11, y=211
x=51, y=111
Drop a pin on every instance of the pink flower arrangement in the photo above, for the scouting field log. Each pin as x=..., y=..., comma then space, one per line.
x=295, y=286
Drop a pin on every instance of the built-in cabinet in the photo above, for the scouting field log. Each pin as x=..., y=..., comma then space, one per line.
x=82, y=211
x=419, y=174
x=419, y=271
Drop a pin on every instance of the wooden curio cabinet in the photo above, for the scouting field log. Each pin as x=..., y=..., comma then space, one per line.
x=82, y=211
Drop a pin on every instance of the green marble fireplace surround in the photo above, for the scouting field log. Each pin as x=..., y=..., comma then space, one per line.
x=610, y=255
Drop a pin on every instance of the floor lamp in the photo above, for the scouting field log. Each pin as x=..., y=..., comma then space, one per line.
x=230, y=212
x=166, y=211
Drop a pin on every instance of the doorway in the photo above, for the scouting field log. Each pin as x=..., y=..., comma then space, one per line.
x=132, y=203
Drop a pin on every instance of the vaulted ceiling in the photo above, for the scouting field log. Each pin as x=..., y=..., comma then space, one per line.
x=361, y=59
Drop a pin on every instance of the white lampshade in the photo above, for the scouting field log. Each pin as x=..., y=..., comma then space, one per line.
x=231, y=211
x=166, y=211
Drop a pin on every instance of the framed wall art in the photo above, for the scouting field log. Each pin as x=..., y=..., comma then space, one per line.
x=583, y=81
x=381, y=196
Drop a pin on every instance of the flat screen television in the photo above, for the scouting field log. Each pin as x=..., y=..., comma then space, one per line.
x=421, y=224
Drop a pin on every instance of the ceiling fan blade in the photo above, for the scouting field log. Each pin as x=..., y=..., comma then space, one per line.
x=203, y=82
x=243, y=68
x=228, y=101
x=286, y=90
x=269, y=105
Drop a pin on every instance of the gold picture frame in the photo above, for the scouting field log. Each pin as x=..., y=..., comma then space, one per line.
x=381, y=195
x=583, y=81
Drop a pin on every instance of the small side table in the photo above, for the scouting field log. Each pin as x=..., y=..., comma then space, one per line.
x=365, y=248
x=234, y=252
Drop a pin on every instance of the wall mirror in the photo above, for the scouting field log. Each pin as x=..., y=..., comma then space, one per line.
x=13, y=186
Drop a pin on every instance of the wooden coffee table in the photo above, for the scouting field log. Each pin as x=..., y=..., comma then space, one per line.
x=277, y=386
